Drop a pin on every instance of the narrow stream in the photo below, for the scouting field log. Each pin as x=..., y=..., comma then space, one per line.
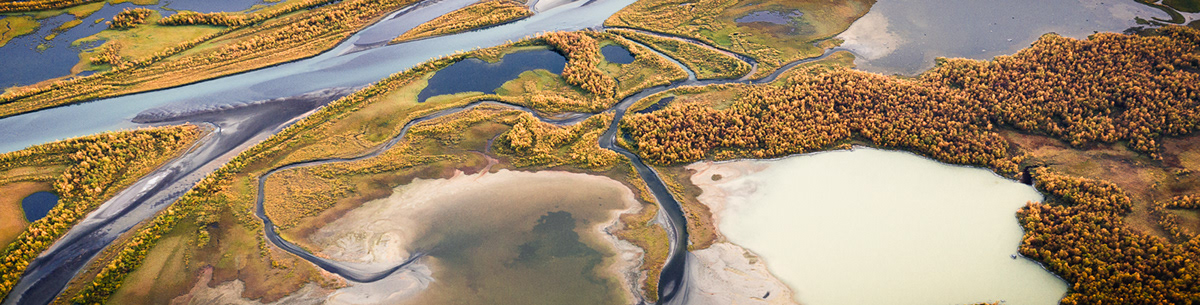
x=241, y=110
x=354, y=63
x=231, y=132
x=672, y=278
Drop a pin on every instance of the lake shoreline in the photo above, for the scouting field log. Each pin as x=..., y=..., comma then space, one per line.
x=817, y=195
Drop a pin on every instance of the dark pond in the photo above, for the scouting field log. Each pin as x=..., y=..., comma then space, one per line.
x=43, y=59
x=616, y=54
x=36, y=205
x=475, y=75
x=770, y=17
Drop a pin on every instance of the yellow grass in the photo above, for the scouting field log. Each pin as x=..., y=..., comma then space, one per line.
x=478, y=15
x=12, y=216
x=15, y=26
x=773, y=45
x=300, y=34
x=143, y=41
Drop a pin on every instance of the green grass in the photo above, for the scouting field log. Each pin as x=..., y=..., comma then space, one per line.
x=1190, y=6
x=142, y=41
x=706, y=62
x=15, y=26
x=713, y=21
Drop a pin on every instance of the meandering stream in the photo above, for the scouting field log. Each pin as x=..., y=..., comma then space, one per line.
x=354, y=63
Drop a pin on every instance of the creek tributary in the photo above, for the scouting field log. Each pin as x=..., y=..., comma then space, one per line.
x=353, y=63
x=232, y=107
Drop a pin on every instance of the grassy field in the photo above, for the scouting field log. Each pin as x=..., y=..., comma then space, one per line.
x=15, y=26
x=12, y=217
x=706, y=62
x=349, y=127
x=475, y=16
x=292, y=30
x=714, y=22
x=1117, y=182
x=138, y=43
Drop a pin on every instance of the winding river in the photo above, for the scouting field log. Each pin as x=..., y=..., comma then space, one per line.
x=356, y=62
x=241, y=110
x=671, y=281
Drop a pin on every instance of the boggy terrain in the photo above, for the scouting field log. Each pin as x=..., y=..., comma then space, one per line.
x=83, y=173
x=286, y=32
x=212, y=225
x=1041, y=108
x=1075, y=111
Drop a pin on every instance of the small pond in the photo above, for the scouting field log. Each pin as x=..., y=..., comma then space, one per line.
x=774, y=17
x=476, y=75
x=43, y=59
x=37, y=205
x=496, y=238
x=616, y=54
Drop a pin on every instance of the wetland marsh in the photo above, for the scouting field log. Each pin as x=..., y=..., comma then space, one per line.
x=545, y=220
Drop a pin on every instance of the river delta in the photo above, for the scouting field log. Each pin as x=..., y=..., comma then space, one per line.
x=435, y=176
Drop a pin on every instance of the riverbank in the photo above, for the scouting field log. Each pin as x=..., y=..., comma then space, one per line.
x=536, y=231
x=505, y=236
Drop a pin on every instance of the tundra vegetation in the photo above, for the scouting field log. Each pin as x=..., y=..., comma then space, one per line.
x=279, y=33
x=83, y=172
x=214, y=221
x=714, y=23
x=15, y=26
x=130, y=18
x=478, y=15
x=1121, y=96
x=1070, y=114
x=705, y=61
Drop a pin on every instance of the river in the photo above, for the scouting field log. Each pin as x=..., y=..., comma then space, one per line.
x=358, y=61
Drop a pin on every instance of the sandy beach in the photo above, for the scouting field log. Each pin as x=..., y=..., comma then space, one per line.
x=726, y=273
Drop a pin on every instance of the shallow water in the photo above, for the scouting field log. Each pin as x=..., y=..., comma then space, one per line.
x=473, y=74
x=335, y=68
x=56, y=56
x=905, y=36
x=37, y=205
x=616, y=54
x=880, y=227
x=498, y=238
x=780, y=18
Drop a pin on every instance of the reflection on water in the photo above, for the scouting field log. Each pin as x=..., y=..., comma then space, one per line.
x=880, y=227
x=779, y=18
x=496, y=238
x=331, y=69
x=616, y=54
x=905, y=36
x=37, y=205
x=475, y=75
x=42, y=59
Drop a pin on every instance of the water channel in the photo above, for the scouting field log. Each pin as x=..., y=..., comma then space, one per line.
x=352, y=64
